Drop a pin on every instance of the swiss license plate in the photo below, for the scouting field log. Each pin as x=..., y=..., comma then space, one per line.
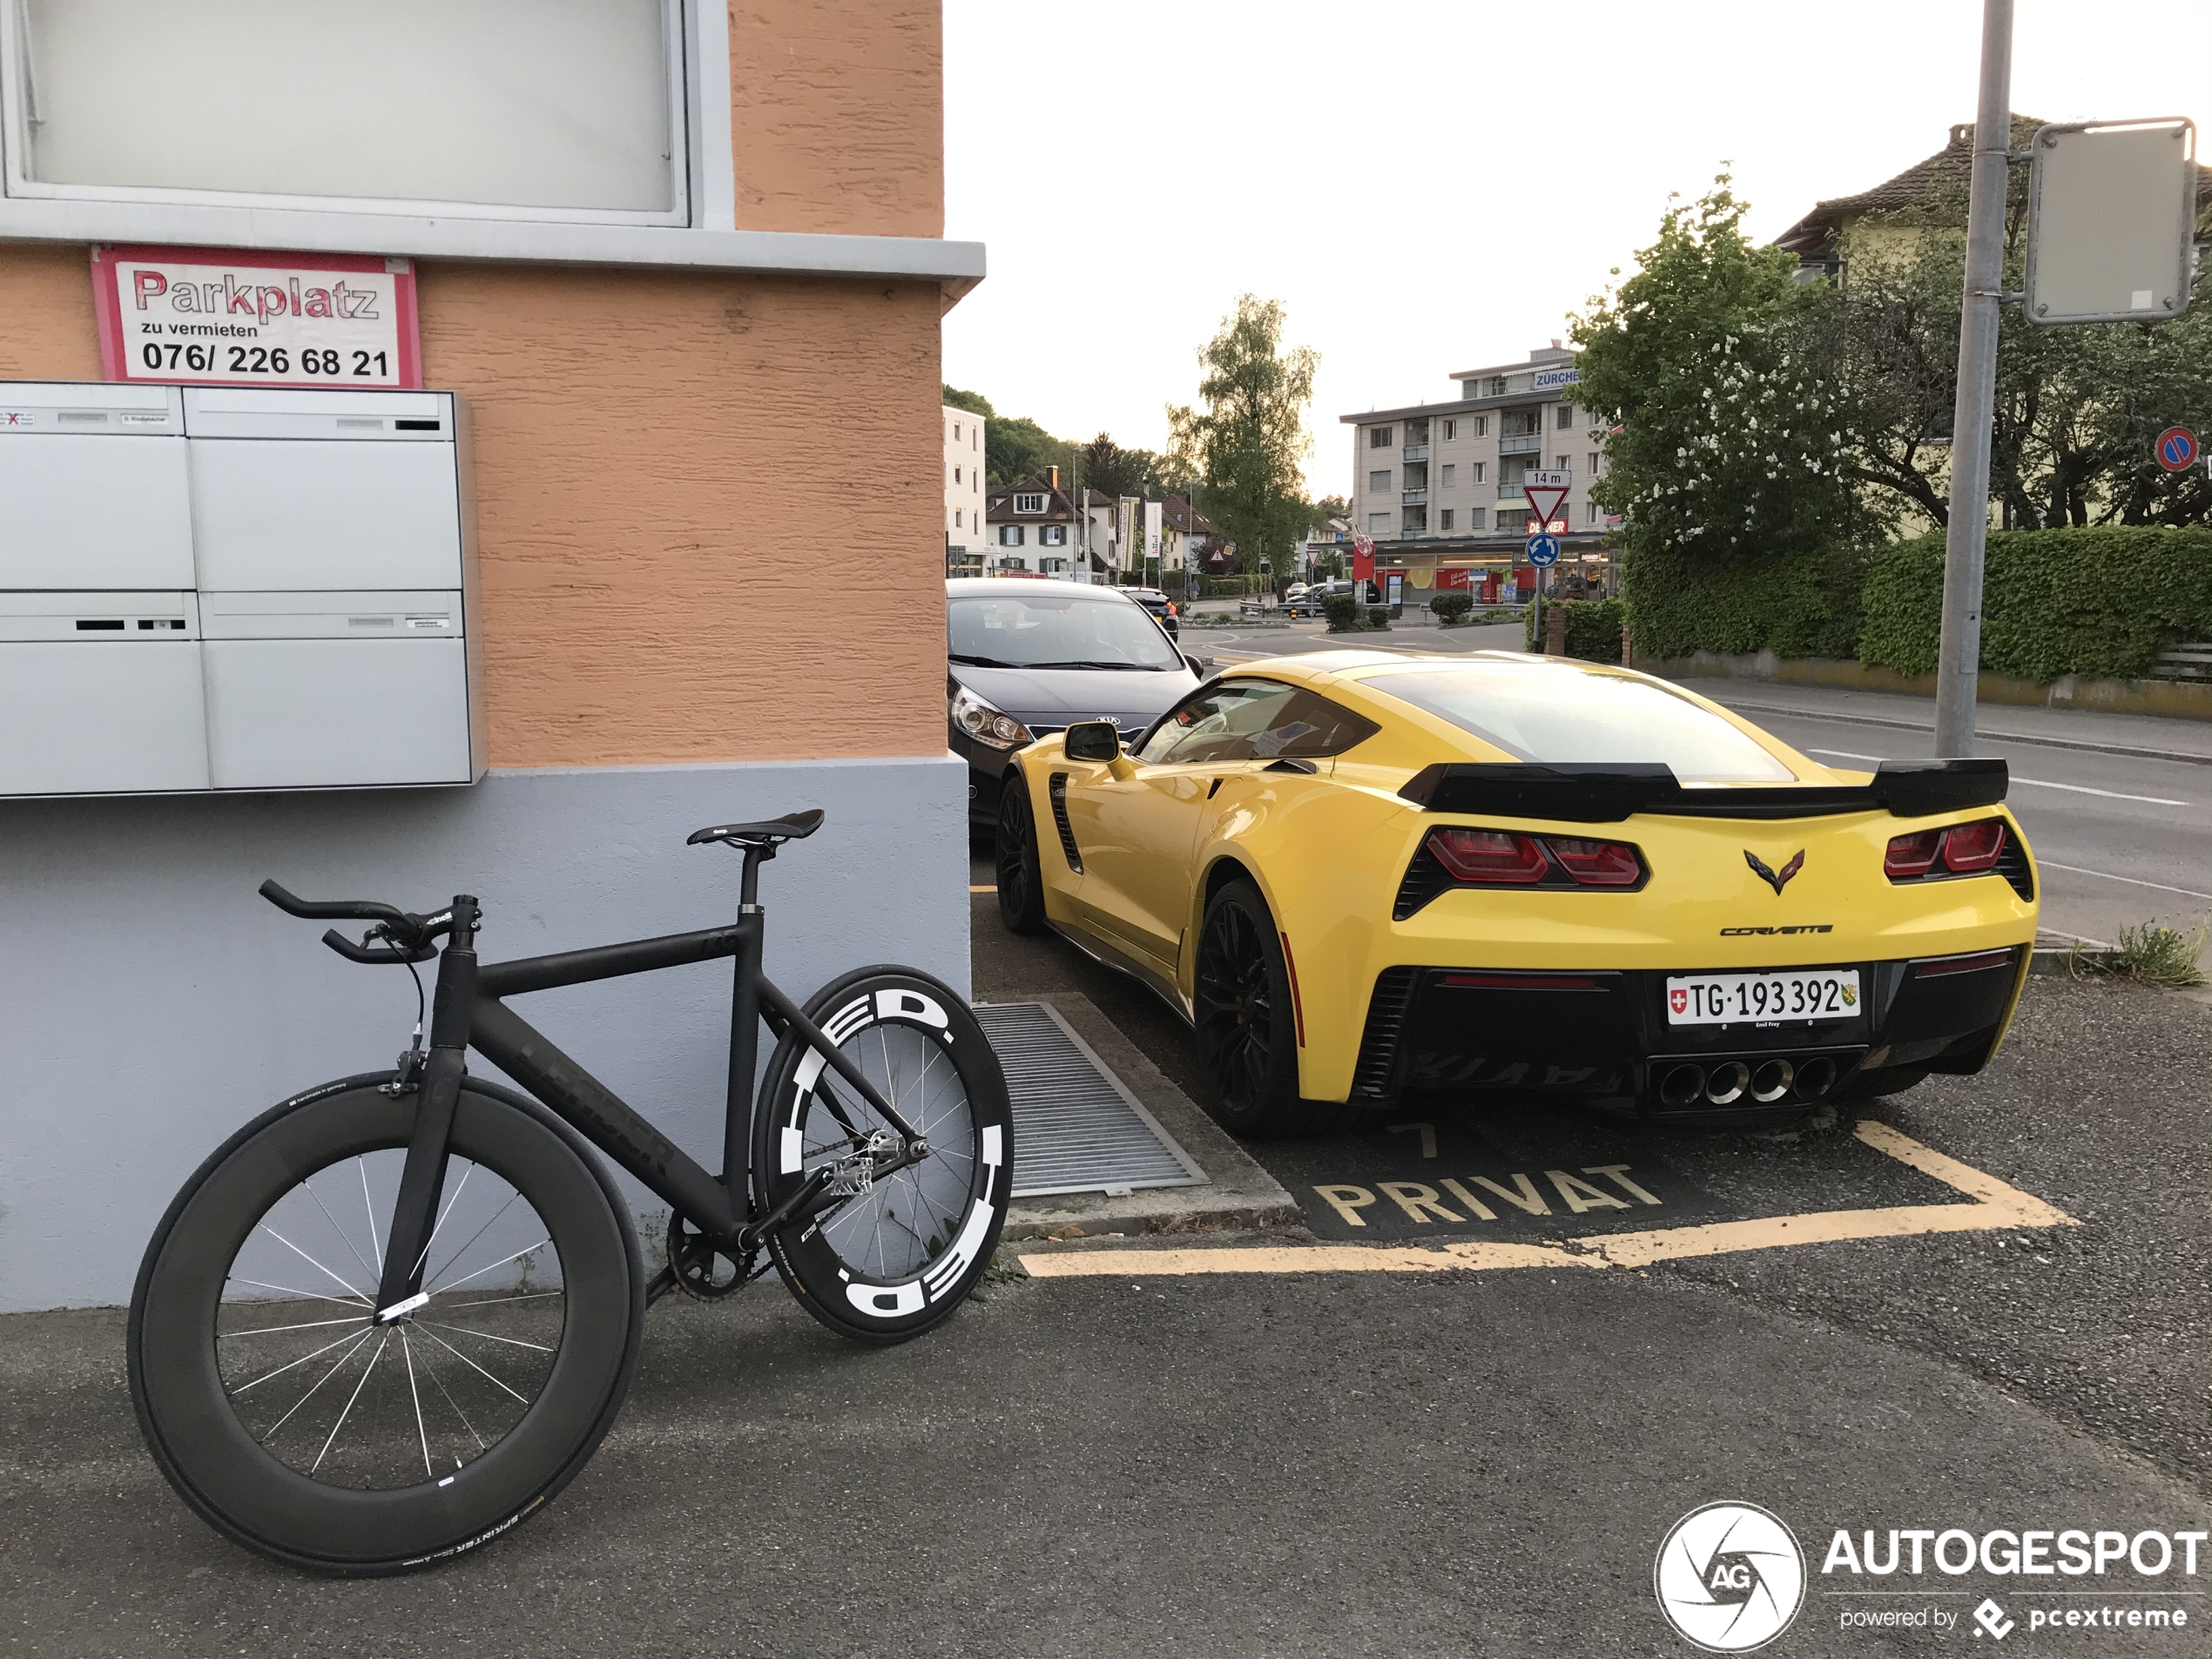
x=1822, y=994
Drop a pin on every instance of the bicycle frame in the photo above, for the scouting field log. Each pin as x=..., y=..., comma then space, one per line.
x=469, y=1011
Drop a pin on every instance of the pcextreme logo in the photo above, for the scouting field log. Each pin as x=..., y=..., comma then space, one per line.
x=1729, y=1577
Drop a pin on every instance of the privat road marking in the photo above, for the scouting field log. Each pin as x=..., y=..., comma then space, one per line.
x=1996, y=1207
x=2033, y=783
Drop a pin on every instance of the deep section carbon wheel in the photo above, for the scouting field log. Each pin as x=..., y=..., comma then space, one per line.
x=891, y=1257
x=292, y=1420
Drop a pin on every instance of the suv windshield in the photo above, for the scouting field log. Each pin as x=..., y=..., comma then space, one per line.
x=1016, y=630
x=1540, y=711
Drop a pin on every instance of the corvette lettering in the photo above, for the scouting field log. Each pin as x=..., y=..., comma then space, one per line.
x=1802, y=928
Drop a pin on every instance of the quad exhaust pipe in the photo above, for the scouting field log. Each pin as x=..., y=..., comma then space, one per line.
x=1688, y=1084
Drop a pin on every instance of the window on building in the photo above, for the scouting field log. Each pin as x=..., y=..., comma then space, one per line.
x=1379, y=524
x=956, y=518
x=505, y=108
x=1592, y=459
x=1451, y=475
x=1010, y=535
x=1589, y=512
x=1512, y=518
x=1029, y=503
x=1474, y=518
x=1444, y=520
x=955, y=432
x=1497, y=386
x=1481, y=425
x=1566, y=417
x=1416, y=520
x=955, y=474
x=1379, y=481
x=1450, y=430
x=1378, y=437
x=1052, y=536
x=1475, y=471
x=1560, y=461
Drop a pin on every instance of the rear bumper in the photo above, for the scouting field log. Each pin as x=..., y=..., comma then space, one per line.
x=1602, y=1037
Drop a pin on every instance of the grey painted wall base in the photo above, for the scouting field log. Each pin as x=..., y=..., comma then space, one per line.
x=150, y=1002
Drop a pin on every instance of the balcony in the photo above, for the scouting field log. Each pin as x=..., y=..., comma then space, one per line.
x=1413, y=452
x=1520, y=444
x=1514, y=491
x=1414, y=498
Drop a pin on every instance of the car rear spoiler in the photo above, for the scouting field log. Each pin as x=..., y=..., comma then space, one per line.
x=1582, y=793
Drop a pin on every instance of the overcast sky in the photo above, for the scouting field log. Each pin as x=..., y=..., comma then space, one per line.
x=1429, y=185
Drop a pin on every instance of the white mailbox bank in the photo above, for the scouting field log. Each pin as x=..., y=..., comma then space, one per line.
x=231, y=588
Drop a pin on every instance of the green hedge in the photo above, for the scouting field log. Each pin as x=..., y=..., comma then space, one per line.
x=1796, y=606
x=2100, y=602
x=1593, y=627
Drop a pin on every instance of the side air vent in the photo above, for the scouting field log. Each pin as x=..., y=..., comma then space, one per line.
x=1058, y=789
x=2011, y=864
x=1385, y=1022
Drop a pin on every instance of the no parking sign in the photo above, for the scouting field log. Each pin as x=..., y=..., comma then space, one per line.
x=2176, y=449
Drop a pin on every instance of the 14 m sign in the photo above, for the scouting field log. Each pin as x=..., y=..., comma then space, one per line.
x=206, y=317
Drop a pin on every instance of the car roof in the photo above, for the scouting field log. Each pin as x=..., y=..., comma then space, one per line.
x=972, y=584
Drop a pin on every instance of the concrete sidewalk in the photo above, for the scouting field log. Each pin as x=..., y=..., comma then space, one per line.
x=2149, y=736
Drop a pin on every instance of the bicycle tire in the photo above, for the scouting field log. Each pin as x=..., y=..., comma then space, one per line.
x=190, y=1414
x=903, y=1293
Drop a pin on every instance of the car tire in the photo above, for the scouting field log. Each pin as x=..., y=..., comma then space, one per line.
x=1020, y=865
x=1246, y=1022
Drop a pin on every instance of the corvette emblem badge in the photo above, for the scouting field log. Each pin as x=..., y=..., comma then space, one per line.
x=1776, y=878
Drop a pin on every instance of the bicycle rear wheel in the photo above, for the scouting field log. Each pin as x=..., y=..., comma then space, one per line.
x=292, y=1420
x=890, y=1262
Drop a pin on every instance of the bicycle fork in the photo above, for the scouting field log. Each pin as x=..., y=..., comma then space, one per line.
x=438, y=1091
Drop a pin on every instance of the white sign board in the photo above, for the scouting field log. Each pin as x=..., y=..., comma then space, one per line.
x=1152, y=529
x=1549, y=379
x=1548, y=478
x=211, y=317
x=2111, y=212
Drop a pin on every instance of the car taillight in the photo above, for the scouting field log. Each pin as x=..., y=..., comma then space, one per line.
x=1963, y=849
x=1489, y=858
x=1910, y=856
x=1970, y=848
x=1597, y=864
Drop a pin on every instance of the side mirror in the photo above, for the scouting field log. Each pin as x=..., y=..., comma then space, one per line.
x=1197, y=667
x=1092, y=740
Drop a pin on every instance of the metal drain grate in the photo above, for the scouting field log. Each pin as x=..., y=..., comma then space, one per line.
x=1076, y=1128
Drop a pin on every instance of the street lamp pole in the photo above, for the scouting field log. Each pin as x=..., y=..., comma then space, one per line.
x=1965, y=537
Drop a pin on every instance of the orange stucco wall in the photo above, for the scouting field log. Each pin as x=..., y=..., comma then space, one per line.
x=707, y=505
x=838, y=116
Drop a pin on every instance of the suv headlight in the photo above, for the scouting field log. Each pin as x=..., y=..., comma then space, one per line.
x=973, y=716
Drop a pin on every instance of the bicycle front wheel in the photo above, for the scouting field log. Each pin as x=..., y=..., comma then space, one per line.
x=291, y=1419
x=890, y=1257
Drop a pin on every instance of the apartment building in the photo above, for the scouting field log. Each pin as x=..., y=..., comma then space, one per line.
x=1440, y=488
x=964, y=529
x=1030, y=528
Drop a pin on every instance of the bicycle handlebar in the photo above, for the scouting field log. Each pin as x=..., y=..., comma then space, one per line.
x=412, y=936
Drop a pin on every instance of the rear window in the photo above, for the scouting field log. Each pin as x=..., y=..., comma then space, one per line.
x=1546, y=713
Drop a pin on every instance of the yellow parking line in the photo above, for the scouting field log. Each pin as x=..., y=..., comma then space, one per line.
x=1996, y=1206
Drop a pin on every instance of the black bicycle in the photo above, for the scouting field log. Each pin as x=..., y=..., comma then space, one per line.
x=394, y=1315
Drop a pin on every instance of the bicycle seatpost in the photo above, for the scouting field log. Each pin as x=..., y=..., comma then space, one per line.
x=415, y=1215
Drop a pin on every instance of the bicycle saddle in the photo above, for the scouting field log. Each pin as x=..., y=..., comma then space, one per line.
x=774, y=831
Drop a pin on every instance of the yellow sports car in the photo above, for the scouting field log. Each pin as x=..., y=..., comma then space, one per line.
x=1359, y=874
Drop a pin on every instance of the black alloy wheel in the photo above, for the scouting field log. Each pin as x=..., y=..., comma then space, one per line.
x=1246, y=1026
x=1020, y=869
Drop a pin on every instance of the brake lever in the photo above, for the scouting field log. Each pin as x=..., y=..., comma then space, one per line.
x=363, y=952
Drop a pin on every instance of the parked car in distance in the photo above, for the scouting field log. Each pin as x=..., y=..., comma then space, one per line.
x=1024, y=659
x=1296, y=591
x=1309, y=603
x=1162, y=607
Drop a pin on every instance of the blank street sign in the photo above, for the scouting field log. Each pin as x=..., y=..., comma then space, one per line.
x=2111, y=211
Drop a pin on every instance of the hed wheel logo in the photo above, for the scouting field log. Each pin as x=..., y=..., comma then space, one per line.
x=1729, y=1577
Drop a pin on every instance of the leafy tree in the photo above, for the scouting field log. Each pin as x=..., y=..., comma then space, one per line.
x=974, y=403
x=1728, y=460
x=1016, y=448
x=1246, y=445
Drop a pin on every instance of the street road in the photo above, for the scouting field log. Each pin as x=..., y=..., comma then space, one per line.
x=2120, y=835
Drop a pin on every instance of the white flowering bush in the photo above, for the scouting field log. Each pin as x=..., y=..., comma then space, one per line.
x=1728, y=450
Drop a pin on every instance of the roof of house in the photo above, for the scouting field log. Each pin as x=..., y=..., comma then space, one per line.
x=1926, y=182
x=998, y=504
